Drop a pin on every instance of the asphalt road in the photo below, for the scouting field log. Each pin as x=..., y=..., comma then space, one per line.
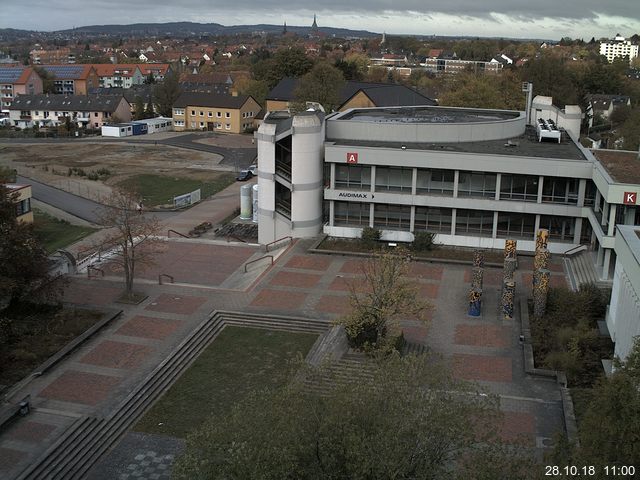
x=78, y=206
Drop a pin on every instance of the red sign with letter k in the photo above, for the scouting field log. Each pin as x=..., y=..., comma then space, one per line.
x=630, y=198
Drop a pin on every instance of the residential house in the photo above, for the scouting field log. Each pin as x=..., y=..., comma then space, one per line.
x=158, y=70
x=214, y=112
x=86, y=111
x=604, y=105
x=352, y=95
x=119, y=75
x=17, y=81
x=22, y=199
x=61, y=55
x=144, y=92
x=72, y=79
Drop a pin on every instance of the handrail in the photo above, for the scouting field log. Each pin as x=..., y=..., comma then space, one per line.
x=266, y=247
x=164, y=275
x=91, y=267
x=574, y=249
x=254, y=261
x=175, y=231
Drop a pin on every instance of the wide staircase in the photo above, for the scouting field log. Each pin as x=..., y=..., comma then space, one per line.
x=581, y=270
x=87, y=439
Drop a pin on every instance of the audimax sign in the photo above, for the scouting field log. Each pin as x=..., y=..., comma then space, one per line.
x=354, y=195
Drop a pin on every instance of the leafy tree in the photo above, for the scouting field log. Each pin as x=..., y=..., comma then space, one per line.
x=130, y=235
x=370, y=237
x=609, y=430
x=165, y=94
x=150, y=80
x=287, y=62
x=410, y=420
x=138, y=113
x=48, y=79
x=25, y=266
x=485, y=91
x=379, y=300
x=551, y=77
x=149, y=112
x=630, y=130
x=322, y=84
x=422, y=241
x=258, y=89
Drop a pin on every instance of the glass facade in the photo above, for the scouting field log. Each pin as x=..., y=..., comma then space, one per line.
x=560, y=190
x=392, y=217
x=433, y=219
x=561, y=229
x=516, y=225
x=351, y=214
x=435, y=182
x=353, y=177
x=394, y=179
x=477, y=184
x=474, y=222
x=519, y=187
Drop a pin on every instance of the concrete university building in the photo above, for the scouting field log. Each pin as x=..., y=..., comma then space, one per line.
x=473, y=177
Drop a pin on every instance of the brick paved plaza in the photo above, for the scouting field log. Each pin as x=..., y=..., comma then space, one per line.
x=104, y=370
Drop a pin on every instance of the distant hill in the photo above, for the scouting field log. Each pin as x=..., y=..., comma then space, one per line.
x=180, y=29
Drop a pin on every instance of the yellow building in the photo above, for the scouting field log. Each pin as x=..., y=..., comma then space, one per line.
x=214, y=112
x=23, y=201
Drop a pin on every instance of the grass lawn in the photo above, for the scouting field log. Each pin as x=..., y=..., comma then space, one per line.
x=239, y=361
x=54, y=233
x=160, y=190
x=37, y=333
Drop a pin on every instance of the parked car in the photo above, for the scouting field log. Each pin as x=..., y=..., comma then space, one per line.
x=253, y=169
x=244, y=175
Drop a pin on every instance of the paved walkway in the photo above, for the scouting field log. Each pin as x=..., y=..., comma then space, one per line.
x=102, y=372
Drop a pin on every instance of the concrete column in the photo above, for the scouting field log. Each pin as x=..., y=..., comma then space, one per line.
x=600, y=255
x=332, y=211
x=582, y=190
x=540, y=185
x=605, y=264
x=373, y=179
x=536, y=226
x=332, y=182
x=498, y=181
x=371, y=215
x=494, y=232
x=577, y=232
x=605, y=213
x=412, y=221
x=453, y=221
x=612, y=219
x=456, y=179
x=414, y=183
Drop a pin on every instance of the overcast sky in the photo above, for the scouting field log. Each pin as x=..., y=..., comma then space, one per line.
x=549, y=19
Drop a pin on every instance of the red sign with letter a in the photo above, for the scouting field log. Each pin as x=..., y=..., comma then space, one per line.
x=352, y=157
x=630, y=198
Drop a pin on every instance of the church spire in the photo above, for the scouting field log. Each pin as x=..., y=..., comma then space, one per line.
x=314, y=24
x=284, y=29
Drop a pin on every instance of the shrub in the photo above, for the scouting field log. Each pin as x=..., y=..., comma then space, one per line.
x=422, y=241
x=370, y=236
x=93, y=176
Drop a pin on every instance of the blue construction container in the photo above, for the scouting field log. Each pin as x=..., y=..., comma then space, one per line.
x=140, y=128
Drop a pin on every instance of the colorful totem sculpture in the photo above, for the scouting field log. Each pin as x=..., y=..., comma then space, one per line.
x=542, y=238
x=477, y=278
x=508, y=297
x=540, y=293
x=475, y=301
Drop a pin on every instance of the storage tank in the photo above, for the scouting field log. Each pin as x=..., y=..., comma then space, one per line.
x=245, y=202
x=255, y=203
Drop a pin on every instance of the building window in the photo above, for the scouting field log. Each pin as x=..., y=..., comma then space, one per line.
x=201, y=124
x=351, y=214
x=394, y=179
x=193, y=112
x=227, y=126
x=477, y=184
x=356, y=177
x=210, y=114
x=201, y=113
x=560, y=190
x=433, y=219
x=435, y=181
x=218, y=114
x=23, y=207
x=519, y=187
x=478, y=223
x=516, y=225
x=227, y=115
x=560, y=229
x=392, y=217
x=590, y=194
x=178, y=111
x=95, y=114
x=193, y=124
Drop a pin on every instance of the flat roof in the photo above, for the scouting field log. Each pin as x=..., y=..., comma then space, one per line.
x=523, y=146
x=623, y=166
x=631, y=235
x=427, y=114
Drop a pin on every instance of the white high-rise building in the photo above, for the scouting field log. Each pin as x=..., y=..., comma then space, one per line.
x=618, y=47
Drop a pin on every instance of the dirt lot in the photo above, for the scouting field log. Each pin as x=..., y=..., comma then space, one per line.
x=51, y=163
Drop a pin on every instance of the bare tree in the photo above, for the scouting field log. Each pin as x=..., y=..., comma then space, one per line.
x=379, y=301
x=130, y=235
